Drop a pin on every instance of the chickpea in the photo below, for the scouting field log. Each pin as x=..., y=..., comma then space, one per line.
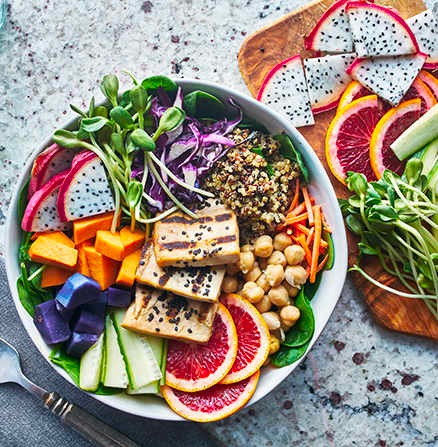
x=264, y=305
x=272, y=320
x=280, y=334
x=232, y=269
x=281, y=241
x=252, y=292
x=274, y=344
x=263, y=263
x=289, y=315
x=229, y=284
x=275, y=274
x=253, y=274
x=279, y=296
x=277, y=257
x=295, y=275
x=247, y=247
x=263, y=282
x=263, y=246
x=246, y=261
x=291, y=290
x=294, y=254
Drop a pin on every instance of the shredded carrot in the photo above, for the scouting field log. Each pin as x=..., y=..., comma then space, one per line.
x=310, y=236
x=308, y=204
x=295, y=219
x=296, y=196
x=302, y=241
x=307, y=231
x=298, y=209
x=316, y=244
x=323, y=263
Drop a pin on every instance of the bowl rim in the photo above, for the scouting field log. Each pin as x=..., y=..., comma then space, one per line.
x=339, y=239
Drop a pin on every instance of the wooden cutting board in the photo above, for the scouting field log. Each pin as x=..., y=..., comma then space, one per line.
x=259, y=53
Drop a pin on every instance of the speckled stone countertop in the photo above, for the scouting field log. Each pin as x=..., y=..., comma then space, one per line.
x=360, y=385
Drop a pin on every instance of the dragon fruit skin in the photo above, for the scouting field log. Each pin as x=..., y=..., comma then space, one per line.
x=41, y=213
x=327, y=79
x=285, y=90
x=388, y=77
x=379, y=31
x=50, y=162
x=85, y=191
x=425, y=28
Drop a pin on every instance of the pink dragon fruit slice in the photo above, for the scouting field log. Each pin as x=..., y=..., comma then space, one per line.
x=379, y=31
x=425, y=28
x=332, y=32
x=50, y=162
x=327, y=79
x=41, y=213
x=285, y=90
x=85, y=191
x=389, y=77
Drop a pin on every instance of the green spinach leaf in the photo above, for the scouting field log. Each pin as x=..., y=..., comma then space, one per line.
x=69, y=364
x=155, y=82
x=287, y=149
x=330, y=251
x=286, y=356
x=22, y=200
x=310, y=289
x=203, y=105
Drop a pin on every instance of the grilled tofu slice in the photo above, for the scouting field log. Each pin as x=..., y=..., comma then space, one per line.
x=198, y=283
x=211, y=239
x=163, y=314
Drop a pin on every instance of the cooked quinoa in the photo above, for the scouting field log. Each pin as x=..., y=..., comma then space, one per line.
x=257, y=188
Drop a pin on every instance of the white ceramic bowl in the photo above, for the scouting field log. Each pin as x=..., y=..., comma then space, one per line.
x=323, y=303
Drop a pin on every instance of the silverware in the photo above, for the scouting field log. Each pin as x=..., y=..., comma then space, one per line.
x=91, y=428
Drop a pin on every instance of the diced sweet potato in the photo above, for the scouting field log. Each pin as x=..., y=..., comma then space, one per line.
x=131, y=240
x=84, y=229
x=54, y=276
x=82, y=257
x=48, y=251
x=57, y=236
x=102, y=269
x=127, y=272
x=110, y=245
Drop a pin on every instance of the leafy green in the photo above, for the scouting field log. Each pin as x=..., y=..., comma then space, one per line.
x=287, y=149
x=310, y=289
x=330, y=250
x=302, y=331
x=22, y=200
x=286, y=356
x=248, y=123
x=155, y=82
x=203, y=105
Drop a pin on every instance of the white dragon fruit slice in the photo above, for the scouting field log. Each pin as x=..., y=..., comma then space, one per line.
x=85, y=191
x=50, y=162
x=379, y=31
x=389, y=77
x=327, y=79
x=425, y=28
x=41, y=213
x=285, y=90
x=332, y=32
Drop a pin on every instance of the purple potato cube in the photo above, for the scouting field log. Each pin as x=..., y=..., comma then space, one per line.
x=53, y=328
x=80, y=343
x=65, y=313
x=118, y=297
x=78, y=290
x=89, y=323
x=98, y=306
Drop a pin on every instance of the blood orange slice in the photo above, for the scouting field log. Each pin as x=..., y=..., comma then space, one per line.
x=354, y=90
x=419, y=89
x=387, y=130
x=349, y=135
x=431, y=81
x=252, y=338
x=194, y=367
x=213, y=404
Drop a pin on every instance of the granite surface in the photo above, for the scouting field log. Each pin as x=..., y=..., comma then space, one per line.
x=360, y=385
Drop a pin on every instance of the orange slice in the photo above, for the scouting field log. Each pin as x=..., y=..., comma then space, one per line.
x=252, y=338
x=213, y=404
x=419, y=89
x=430, y=80
x=387, y=130
x=193, y=366
x=354, y=90
x=349, y=135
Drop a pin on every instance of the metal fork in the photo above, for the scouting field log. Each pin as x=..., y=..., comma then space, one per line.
x=91, y=428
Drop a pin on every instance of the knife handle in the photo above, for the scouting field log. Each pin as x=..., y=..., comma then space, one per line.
x=91, y=428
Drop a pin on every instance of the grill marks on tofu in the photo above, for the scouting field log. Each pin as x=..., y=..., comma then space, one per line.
x=211, y=239
x=163, y=314
x=200, y=283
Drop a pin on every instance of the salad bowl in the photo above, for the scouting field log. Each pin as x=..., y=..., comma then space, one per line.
x=323, y=303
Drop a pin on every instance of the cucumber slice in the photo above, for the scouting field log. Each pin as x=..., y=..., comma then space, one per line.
x=141, y=365
x=115, y=371
x=429, y=156
x=423, y=131
x=91, y=366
